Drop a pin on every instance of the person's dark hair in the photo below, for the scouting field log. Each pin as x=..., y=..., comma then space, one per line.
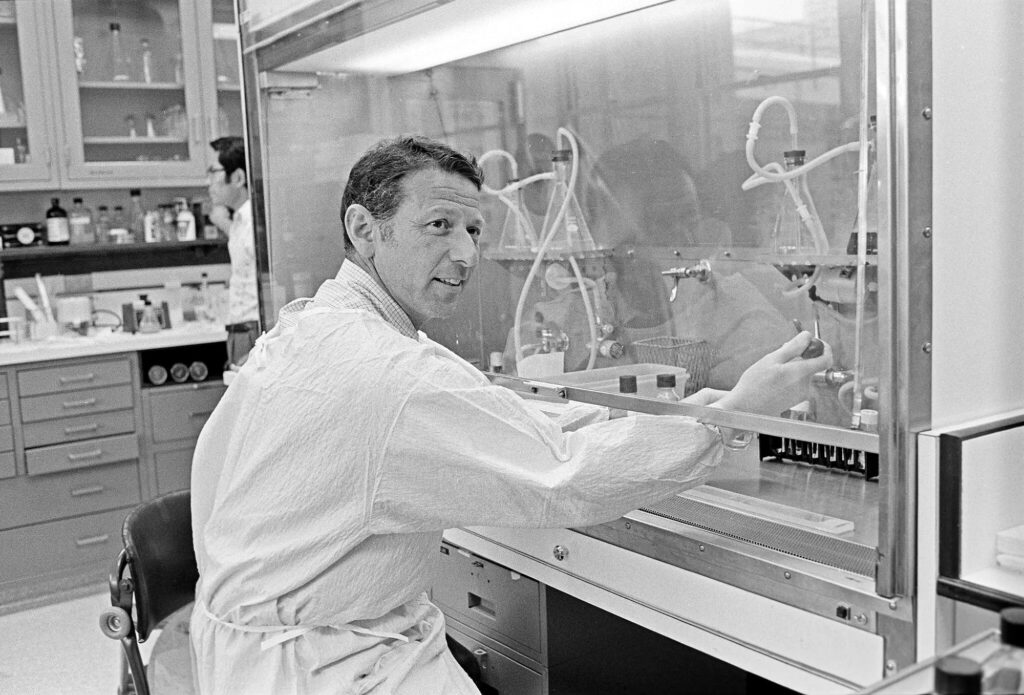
x=230, y=153
x=375, y=181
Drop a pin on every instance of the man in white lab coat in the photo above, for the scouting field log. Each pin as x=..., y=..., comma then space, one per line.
x=349, y=440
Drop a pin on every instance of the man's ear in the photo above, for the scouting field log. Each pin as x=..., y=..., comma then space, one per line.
x=359, y=227
x=238, y=177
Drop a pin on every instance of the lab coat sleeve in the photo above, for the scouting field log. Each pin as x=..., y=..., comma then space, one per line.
x=463, y=452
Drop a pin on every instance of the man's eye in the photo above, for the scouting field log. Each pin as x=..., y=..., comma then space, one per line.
x=440, y=224
x=474, y=232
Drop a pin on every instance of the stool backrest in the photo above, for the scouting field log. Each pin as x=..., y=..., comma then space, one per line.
x=158, y=537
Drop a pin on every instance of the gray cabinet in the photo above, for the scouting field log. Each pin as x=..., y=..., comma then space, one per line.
x=70, y=471
x=174, y=416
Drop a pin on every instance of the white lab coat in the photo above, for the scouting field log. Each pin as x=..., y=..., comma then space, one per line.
x=323, y=480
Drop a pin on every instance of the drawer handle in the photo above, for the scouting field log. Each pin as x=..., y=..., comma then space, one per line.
x=74, y=379
x=75, y=429
x=90, y=490
x=200, y=413
x=92, y=540
x=85, y=402
x=96, y=453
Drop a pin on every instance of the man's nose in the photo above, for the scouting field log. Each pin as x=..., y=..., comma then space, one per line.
x=464, y=249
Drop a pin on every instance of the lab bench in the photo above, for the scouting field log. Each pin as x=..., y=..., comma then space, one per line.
x=83, y=439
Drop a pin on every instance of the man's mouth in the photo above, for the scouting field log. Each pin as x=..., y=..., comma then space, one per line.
x=451, y=282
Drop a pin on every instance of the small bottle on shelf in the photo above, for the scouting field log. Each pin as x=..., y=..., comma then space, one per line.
x=185, y=221
x=957, y=675
x=102, y=229
x=58, y=231
x=627, y=386
x=148, y=323
x=147, y=61
x=136, y=215
x=80, y=224
x=118, y=227
x=118, y=60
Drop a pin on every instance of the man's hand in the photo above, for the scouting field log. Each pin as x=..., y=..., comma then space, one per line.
x=777, y=381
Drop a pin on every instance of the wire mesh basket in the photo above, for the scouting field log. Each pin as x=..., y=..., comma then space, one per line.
x=692, y=355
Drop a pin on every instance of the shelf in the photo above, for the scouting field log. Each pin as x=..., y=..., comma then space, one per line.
x=141, y=86
x=126, y=140
x=48, y=260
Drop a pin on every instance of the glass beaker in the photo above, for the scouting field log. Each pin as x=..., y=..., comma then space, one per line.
x=567, y=228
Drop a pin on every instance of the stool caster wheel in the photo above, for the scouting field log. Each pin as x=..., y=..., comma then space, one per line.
x=115, y=623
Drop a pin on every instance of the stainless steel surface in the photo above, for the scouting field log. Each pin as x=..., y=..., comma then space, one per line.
x=904, y=165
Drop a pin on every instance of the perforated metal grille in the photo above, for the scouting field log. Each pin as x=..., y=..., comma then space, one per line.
x=816, y=547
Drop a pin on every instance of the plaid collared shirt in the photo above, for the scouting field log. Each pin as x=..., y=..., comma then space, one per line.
x=353, y=288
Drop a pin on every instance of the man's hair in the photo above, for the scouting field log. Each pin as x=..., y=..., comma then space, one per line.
x=375, y=181
x=230, y=153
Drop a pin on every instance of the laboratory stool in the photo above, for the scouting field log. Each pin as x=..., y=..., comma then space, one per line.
x=156, y=574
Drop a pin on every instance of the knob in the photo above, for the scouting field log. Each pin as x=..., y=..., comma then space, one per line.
x=560, y=552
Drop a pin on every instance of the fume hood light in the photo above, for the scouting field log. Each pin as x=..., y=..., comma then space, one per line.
x=459, y=29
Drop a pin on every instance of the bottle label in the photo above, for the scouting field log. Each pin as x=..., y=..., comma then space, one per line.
x=57, y=230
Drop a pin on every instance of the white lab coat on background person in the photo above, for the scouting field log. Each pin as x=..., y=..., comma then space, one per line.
x=320, y=491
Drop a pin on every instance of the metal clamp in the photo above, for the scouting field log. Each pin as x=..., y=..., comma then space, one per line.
x=701, y=271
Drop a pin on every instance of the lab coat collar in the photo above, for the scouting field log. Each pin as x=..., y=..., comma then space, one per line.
x=353, y=288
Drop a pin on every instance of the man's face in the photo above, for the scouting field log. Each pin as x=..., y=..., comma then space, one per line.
x=220, y=189
x=426, y=252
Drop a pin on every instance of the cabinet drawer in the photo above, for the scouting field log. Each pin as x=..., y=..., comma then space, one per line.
x=492, y=599
x=181, y=414
x=91, y=452
x=61, y=405
x=173, y=469
x=31, y=499
x=7, y=469
x=61, y=545
x=5, y=412
x=72, y=377
x=6, y=438
x=499, y=672
x=73, y=429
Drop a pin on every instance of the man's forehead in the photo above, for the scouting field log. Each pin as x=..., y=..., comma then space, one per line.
x=428, y=187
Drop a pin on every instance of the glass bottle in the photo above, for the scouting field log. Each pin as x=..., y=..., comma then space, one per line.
x=150, y=125
x=168, y=226
x=517, y=232
x=1003, y=671
x=80, y=224
x=102, y=231
x=136, y=215
x=627, y=386
x=179, y=69
x=58, y=230
x=147, y=61
x=118, y=60
x=185, y=221
x=20, y=151
x=871, y=209
x=204, y=305
x=118, y=226
x=666, y=384
x=572, y=233
x=956, y=675
x=790, y=234
x=129, y=122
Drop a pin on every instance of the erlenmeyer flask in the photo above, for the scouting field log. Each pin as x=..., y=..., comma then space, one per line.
x=571, y=233
x=790, y=235
x=517, y=234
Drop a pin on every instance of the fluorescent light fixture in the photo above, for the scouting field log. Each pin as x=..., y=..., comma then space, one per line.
x=459, y=29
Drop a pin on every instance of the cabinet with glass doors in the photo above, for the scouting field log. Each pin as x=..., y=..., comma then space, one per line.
x=26, y=140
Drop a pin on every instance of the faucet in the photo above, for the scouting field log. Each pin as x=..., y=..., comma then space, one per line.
x=700, y=270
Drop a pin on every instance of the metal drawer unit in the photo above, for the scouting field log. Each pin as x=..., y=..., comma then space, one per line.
x=500, y=672
x=7, y=466
x=174, y=416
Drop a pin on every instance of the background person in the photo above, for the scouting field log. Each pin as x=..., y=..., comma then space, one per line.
x=349, y=440
x=231, y=212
